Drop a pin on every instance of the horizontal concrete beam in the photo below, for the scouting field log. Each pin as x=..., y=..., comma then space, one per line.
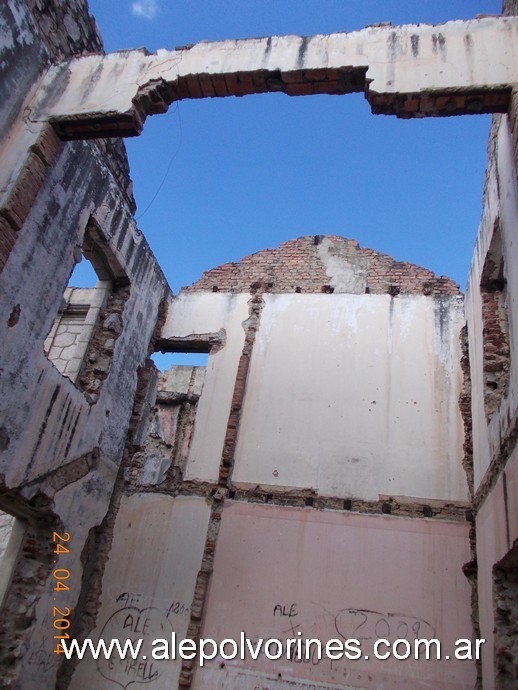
x=408, y=71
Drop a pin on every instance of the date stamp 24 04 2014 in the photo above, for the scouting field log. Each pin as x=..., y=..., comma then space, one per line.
x=60, y=613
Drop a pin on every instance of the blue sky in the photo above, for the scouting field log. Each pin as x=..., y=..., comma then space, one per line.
x=217, y=179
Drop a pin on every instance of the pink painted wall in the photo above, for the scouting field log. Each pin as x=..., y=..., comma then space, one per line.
x=338, y=575
x=497, y=530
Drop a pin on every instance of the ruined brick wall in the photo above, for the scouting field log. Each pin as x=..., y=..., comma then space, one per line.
x=320, y=264
x=46, y=31
x=43, y=32
x=97, y=364
x=160, y=462
x=66, y=27
x=249, y=300
x=59, y=449
x=491, y=318
x=510, y=7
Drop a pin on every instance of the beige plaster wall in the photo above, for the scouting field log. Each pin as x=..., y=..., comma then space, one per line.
x=191, y=314
x=355, y=395
x=148, y=587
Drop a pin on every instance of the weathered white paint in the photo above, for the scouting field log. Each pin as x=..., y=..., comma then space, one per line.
x=66, y=202
x=155, y=557
x=481, y=53
x=497, y=517
x=500, y=202
x=355, y=395
x=83, y=503
x=201, y=313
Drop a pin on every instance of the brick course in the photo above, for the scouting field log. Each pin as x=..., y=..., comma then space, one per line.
x=297, y=266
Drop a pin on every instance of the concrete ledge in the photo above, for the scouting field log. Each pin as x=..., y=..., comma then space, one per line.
x=409, y=71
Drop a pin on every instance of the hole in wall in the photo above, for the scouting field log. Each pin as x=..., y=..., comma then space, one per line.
x=82, y=337
x=84, y=274
x=165, y=360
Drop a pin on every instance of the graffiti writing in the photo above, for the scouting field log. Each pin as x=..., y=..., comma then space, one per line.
x=132, y=623
x=362, y=624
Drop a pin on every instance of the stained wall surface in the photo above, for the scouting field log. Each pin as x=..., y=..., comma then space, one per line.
x=336, y=386
x=311, y=478
x=281, y=571
x=148, y=587
x=355, y=395
x=61, y=443
x=494, y=432
x=500, y=211
x=200, y=315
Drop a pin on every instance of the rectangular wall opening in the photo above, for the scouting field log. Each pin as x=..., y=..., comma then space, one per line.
x=82, y=338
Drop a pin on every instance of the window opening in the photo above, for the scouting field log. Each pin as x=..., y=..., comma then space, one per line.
x=82, y=338
x=71, y=332
x=83, y=275
x=165, y=360
x=180, y=381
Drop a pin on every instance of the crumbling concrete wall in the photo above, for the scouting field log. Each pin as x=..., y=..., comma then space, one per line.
x=163, y=458
x=305, y=479
x=371, y=379
x=330, y=402
x=493, y=339
x=492, y=318
x=60, y=450
x=400, y=70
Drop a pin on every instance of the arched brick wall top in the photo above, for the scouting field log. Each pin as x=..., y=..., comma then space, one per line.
x=323, y=263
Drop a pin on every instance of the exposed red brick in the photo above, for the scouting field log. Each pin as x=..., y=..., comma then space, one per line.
x=297, y=266
x=193, y=86
x=292, y=77
x=47, y=145
x=303, y=89
x=245, y=84
x=259, y=82
x=232, y=84
x=21, y=199
x=219, y=85
x=317, y=74
x=206, y=85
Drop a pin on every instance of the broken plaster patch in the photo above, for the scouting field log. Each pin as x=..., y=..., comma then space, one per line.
x=345, y=275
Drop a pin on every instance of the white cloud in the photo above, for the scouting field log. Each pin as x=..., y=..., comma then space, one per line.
x=147, y=9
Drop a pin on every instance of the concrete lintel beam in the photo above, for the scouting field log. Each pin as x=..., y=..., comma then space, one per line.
x=408, y=71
